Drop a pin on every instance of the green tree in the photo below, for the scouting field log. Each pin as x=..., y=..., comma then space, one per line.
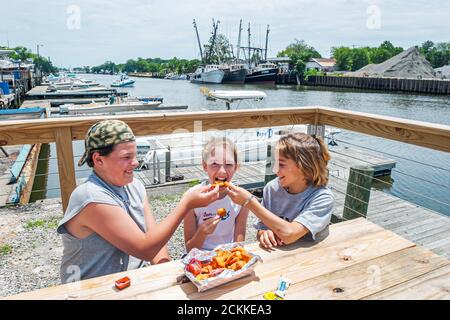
x=343, y=57
x=426, y=48
x=300, y=53
x=45, y=65
x=359, y=58
x=21, y=53
x=437, y=54
x=221, y=51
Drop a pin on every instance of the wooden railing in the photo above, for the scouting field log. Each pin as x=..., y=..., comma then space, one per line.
x=63, y=131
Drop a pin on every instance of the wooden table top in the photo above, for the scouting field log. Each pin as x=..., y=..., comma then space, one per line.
x=357, y=260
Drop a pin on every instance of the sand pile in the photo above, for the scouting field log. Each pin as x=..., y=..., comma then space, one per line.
x=443, y=72
x=407, y=64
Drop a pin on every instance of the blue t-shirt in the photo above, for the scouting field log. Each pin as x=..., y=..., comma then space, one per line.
x=312, y=207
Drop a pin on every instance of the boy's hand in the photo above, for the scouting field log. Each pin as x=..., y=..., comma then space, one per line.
x=209, y=225
x=201, y=197
x=237, y=194
x=268, y=239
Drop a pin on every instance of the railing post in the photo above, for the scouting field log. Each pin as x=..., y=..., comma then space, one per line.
x=358, y=192
x=66, y=168
x=270, y=160
x=167, y=164
x=318, y=130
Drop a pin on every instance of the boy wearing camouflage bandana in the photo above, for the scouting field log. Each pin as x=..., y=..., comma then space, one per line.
x=108, y=226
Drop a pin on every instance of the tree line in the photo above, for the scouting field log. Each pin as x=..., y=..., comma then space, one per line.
x=299, y=52
x=150, y=65
x=22, y=54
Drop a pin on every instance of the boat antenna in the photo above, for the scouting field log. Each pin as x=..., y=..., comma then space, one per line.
x=238, y=48
x=267, y=40
x=198, y=40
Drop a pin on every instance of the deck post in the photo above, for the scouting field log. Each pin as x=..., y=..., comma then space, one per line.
x=358, y=192
x=167, y=165
x=66, y=168
x=318, y=130
x=270, y=161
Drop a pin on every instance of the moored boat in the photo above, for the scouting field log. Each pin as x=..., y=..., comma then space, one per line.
x=210, y=73
x=263, y=73
x=234, y=73
x=124, y=81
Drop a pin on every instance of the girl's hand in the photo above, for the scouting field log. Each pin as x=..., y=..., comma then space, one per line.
x=237, y=194
x=209, y=226
x=201, y=197
x=268, y=239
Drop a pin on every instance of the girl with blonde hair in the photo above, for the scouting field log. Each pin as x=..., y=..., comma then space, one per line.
x=206, y=227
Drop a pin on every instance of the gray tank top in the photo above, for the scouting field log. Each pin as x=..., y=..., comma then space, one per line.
x=94, y=256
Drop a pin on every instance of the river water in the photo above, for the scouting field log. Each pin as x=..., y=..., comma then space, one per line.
x=421, y=175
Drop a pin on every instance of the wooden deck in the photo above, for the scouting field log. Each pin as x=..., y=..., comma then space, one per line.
x=418, y=224
x=357, y=260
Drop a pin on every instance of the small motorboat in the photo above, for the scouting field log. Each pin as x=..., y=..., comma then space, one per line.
x=124, y=81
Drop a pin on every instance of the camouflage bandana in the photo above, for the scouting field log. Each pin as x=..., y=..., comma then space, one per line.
x=104, y=134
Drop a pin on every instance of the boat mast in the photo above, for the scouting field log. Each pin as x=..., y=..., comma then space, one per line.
x=215, y=25
x=249, y=57
x=198, y=40
x=239, y=40
x=267, y=40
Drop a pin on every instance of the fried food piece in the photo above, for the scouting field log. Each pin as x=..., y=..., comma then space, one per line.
x=202, y=276
x=222, y=212
x=237, y=265
x=221, y=184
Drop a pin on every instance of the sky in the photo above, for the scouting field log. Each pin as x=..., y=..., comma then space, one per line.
x=89, y=32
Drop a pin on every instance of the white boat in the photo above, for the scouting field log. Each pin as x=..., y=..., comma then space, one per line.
x=68, y=83
x=230, y=96
x=124, y=81
x=72, y=109
x=79, y=89
x=210, y=73
x=234, y=95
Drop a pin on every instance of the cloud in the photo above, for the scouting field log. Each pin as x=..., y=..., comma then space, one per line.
x=118, y=30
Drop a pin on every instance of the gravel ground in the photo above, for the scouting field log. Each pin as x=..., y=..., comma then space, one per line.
x=31, y=250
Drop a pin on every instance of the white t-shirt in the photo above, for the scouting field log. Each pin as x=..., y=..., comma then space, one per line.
x=224, y=232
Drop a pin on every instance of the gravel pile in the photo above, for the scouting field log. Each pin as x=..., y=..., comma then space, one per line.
x=407, y=64
x=443, y=72
x=31, y=250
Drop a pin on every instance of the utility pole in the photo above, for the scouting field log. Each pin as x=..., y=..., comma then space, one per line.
x=38, y=58
x=198, y=40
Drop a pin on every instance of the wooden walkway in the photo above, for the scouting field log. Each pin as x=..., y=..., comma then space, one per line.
x=421, y=225
x=356, y=260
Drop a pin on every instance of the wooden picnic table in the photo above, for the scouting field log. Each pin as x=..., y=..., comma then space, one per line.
x=357, y=260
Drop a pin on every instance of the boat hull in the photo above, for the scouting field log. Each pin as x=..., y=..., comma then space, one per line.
x=264, y=76
x=235, y=76
x=123, y=84
x=215, y=76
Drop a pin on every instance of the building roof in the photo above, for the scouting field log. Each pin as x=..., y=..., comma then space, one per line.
x=279, y=59
x=324, y=62
x=5, y=52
